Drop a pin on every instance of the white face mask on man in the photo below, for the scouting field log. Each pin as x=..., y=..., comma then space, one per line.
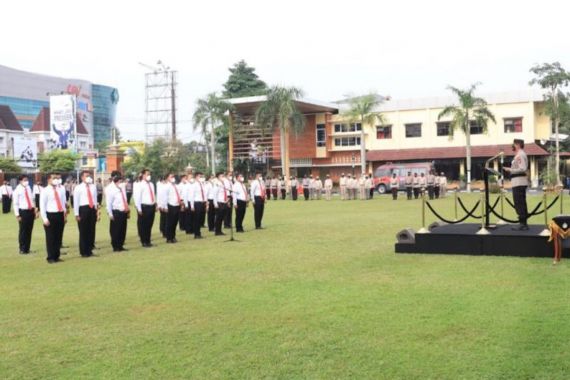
x=172, y=180
x=88, y=180
x=25, y=183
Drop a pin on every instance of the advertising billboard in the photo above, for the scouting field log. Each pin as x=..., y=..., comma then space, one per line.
x=62, y=109
x=25, y=152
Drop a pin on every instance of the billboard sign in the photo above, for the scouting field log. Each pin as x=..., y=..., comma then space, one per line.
x=62, y=121
x=25, y=152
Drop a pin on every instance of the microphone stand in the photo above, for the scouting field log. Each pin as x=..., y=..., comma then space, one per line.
x=486, y=181
x=231, y=222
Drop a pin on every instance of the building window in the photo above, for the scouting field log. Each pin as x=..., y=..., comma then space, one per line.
x=82, y=144
x=513, y=124
x=475, y=128
x=347, y=141
x=443, y=128
x=353, y=127
x=1, y=140
x=384, y=132
x=413, y=130
x=321, y=135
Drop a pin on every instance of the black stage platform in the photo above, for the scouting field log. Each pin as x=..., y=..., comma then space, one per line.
x=461, y=239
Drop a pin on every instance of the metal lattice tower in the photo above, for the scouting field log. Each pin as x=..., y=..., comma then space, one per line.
x=160, y=103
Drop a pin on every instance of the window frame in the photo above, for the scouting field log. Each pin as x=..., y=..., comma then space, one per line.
x=409, y=125
x=385, y=136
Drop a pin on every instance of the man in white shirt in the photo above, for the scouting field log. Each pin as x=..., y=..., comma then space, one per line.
x=228, y=184
x=240, y=199
x=328, y=187
x=54, y=216
x=210, y=186
x=160, y=194
x=342, y=185
x=36, y=190
x=258, y=193
x=145, y=202
x=294, y=188
x=198, y=203
x=118, y=211
x=25, y=213
x=173, y=204
x=221, y=202
x=86, y=211
x=184, y=218
x=318, y=188
x=6, y=191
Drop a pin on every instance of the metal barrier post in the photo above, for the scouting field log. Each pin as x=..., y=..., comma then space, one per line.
x=546, y=231
x=423, y=230
x=502, y=202
x=455, y=203
x=483, y=230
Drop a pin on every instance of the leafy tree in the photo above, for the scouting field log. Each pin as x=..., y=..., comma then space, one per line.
x=58, y=160
x=211, y=114
x=553, y=78
x=363, y=110
x=469, y=108
x=243, y=81
x=280, y=109
x=7, y=165
x=161, y=157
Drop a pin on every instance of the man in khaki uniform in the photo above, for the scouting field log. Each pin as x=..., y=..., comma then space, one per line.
x=362, y=187
x=318, y=188
x=409, y=182
x=328, y=187
x=394, y=186
x=416, y=185
x=423, y=184
x=430, y=180
x=442, y=185
x=342, y=185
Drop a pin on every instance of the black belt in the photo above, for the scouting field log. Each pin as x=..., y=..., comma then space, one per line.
x=147, y=205
x=518, y=175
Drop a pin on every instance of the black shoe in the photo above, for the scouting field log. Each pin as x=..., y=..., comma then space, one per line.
x=51, y=261
x=259, y=228
x=58, y=260
x=171, y=241
x=123, y=249
x=240, y=231
x=24, y=253
x=220, y=234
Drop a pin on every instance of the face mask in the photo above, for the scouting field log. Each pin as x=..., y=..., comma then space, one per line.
x=172, y=180
x=56, y=182
x=88, y=180
x=201, y=179
x=148, y=177
x=231, y=177
x=122, y=185
x=25, y=183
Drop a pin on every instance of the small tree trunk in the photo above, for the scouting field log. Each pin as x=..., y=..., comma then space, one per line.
x=557, y=131
x=282, y=147
x=231, y=145
x=287, y=169
x=213, y=147
x=362, y=148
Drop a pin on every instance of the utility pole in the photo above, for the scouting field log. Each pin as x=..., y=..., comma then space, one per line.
x=173, y=109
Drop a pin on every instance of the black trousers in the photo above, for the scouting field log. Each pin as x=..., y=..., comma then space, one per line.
x=519, y=198
x=283, y=193
x=229, y=212
x=416, y=192
x=394, y=193
x=37, y=201
x=211, y=215
x=162, y=223
x=190, y=221
x=86, y=225
x=118, y=229
x=408, y=192
x=268, y=193
x=26, y=223
x=54, y=234
x=145, y=222
x=221, y=212
x=129, y=196
x=171, y=222
x=202, y=221
x=198, y=217
x=274, y=193
x=258, y=208
x=306, y=193
x=371, y=192
x=6, y=202
x=430, y=190
x=183, y=220
x=99, y=198
x=240, y=214
x=294, y=193
x=436, y=191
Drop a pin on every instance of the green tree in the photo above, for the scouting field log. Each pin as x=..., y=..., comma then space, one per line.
x=243, y=81
x=8, y=165
x=58, y=160
x=280, y=109
x=469, y=108
x=161, y=156
x=211, y=114
x=553, y=78
x=363, y=110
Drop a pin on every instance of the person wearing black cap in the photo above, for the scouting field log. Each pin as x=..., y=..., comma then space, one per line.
x=519, y=183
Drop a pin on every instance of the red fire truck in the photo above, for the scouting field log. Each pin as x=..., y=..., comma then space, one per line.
x=383, y=173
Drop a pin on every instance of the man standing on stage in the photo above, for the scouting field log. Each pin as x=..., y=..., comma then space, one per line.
x=240, y=199
x=118, y=210
x=258, y=196
x=221, y=201
x=25, y=213
x=54, y=216
x=172, y=203
x=198, y=203
x=519, y=183
x=145, y=202
x=85, y=209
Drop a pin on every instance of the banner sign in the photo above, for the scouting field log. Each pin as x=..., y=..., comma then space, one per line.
x=62, y=121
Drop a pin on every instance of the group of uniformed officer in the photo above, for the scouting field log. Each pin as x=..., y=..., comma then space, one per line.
x=352, y=188
x=182, y=205
x=434, y=185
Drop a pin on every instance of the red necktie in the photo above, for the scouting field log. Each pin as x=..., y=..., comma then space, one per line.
x=225, y=193
x=89, y=196
x=244, y=192
x=57, y=200
x=176, y=191
x=150, y=192
x=125, y=204
x=28, y=201
x=262, y=190
x=202, y=191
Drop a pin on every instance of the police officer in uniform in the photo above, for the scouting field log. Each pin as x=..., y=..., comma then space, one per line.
x=409, y=182
x=294, y=186
x=221, y=202
x=430, y=184
x=519, y=183
x=173, y=205
x=416, y=185
x=394, y=186
x=198, y=197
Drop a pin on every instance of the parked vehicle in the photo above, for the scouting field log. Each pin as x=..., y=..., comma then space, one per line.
x=384, y=172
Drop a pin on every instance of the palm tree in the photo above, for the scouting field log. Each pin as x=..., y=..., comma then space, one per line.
x=363, y=110
x=280, y=109
x=470, y=108
x=210, y=113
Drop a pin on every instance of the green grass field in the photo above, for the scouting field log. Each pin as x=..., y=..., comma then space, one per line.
x=318, y=294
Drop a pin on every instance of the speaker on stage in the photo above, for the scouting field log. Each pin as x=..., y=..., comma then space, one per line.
x=406, y=236
x=434, y=225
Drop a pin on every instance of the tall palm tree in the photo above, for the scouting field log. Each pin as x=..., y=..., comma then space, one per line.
x=281, y=109
x=363, y=110
x=469, y=108
x=211, y=112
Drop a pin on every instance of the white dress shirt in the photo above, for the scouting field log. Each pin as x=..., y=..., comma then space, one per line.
x=6, y=190
x=116, y=198
x=210, y=190
x=239, y=192
x=144, y=194
x=197, y=192
x=37, y=189
x=20, y=201
x=221, y=194
x=81, y=197
x=171, y=195
x=48, y=201
x=257, y=189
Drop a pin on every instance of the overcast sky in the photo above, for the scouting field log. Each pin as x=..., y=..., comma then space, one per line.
x=329, y=48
